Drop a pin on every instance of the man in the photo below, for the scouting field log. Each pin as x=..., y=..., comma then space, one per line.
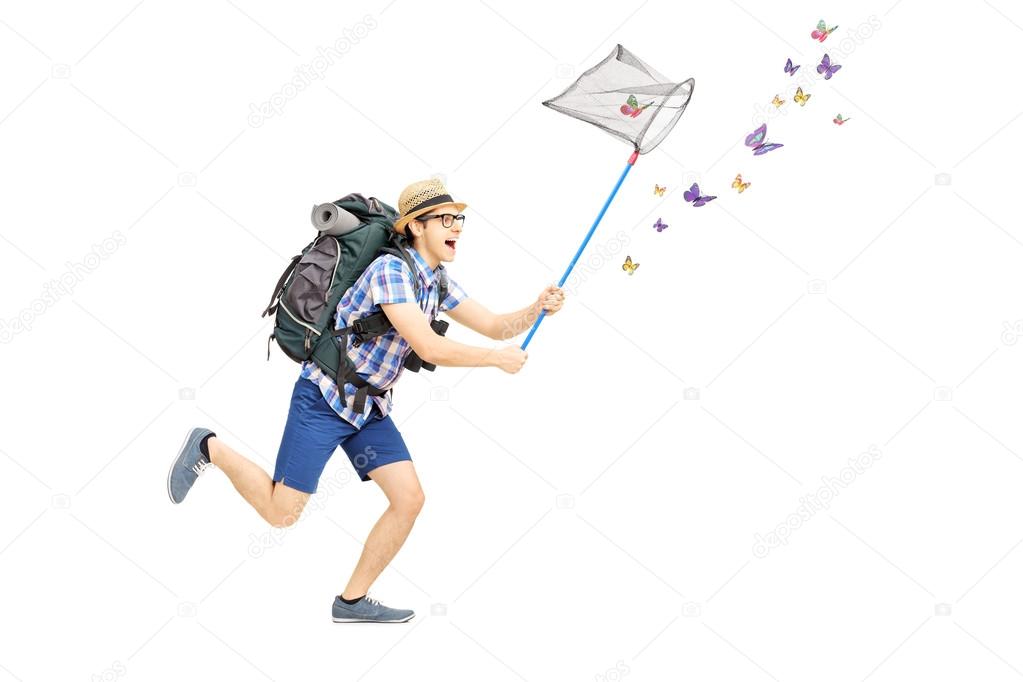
x=320, y=418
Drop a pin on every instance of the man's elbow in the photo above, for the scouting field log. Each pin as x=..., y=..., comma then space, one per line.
x=430, y=351
x=498, y=329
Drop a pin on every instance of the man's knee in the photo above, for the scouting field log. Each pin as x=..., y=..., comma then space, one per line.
x=281, y=516
x=279, y=519
x=410, y=502
x=286, y=506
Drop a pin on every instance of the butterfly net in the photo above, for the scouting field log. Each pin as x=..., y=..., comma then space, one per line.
x=626, y=98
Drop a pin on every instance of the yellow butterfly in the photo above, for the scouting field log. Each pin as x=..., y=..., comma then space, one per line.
x=777, y=101
x=739, y=184
x=658, y=190
x=800, y=97
x=629, y=266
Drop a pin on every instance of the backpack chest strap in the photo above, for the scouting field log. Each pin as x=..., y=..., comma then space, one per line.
x=372, y=325
x=346, y=374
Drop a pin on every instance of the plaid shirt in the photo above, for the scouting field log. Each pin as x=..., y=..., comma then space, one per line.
x=380, y=360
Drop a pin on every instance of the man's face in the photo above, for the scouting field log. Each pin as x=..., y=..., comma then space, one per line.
x=434, y=239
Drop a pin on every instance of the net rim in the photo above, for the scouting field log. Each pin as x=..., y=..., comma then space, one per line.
x=691, y=84
x=636, y=143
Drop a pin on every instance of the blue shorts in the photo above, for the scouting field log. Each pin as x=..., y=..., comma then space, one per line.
x=313, y=432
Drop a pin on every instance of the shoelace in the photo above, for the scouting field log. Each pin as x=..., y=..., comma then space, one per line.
x=201, y=465
x=371, y=600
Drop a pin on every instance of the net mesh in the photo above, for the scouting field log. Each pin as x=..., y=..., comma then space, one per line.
x=626, y=98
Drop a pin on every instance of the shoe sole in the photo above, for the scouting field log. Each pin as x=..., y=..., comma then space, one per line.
x=369, y=620
x=174, y=463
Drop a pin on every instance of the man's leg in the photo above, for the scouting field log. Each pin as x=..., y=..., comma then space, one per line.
x=311, y=435
x=279, y=504
x=401, y=485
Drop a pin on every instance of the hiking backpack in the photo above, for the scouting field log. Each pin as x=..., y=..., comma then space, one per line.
x=305, y=299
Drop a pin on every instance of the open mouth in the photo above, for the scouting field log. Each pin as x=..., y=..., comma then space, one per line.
x=450, y=243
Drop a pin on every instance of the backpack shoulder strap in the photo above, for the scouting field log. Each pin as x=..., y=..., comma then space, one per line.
x=396, y=247
x=442, y=275
x=376, y=324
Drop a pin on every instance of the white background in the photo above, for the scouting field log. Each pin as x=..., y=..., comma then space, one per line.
x=849, y=299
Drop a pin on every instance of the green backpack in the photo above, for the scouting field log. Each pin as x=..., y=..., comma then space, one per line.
x=305, y=298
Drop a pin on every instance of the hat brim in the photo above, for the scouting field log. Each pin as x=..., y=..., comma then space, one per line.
x=400, y=223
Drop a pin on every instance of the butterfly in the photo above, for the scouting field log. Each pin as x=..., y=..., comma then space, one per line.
x=777, y=101
x=757, y=141
x=827, y=68
x=739, y=184
x=839, y=120
x=632, y=108
x=693, y=196
x=658, y=190
x=659, y=226
x=629, y=266
x=822, y=31
x=789, y=69
x=800, y=97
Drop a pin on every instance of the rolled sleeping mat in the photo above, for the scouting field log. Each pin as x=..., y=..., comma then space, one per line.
x=330, y=219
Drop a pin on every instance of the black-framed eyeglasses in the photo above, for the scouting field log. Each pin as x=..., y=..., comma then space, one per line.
x=446, y=219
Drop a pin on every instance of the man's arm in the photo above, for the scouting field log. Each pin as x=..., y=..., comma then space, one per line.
x=411, y=323
x=477, y=317
x=481, y=320
x=391, y=288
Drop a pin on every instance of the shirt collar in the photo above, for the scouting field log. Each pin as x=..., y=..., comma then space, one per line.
x=425, y=272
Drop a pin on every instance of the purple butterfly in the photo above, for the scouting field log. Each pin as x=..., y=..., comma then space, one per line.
x=789, y=69
x=659, y=226
x=827, y=68
x=757, y=141
x=693, y=195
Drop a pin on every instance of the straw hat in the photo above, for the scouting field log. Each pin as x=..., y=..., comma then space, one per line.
x=420, y=198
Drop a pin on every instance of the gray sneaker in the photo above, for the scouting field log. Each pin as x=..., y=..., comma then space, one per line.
x=368, y=610
x=187, y=466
